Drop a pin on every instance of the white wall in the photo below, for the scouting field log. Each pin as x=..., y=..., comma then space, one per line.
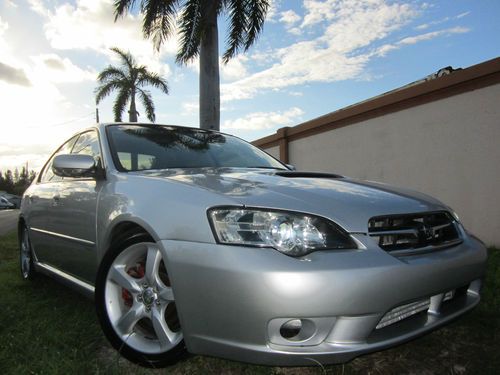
x=449, y=148
x=274, y=151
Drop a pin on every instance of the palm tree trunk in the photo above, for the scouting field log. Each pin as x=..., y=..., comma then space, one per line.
x=209, y=72
x=132, y=113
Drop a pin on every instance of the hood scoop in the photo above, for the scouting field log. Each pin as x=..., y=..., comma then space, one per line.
x=296, y=174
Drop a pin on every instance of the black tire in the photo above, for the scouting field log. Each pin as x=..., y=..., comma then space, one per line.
x=26, y=264
x=152, y=360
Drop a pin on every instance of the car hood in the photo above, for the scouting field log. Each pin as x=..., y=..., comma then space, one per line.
x=348, y=202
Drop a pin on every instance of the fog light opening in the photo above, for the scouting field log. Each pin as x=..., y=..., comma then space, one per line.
x=291, y=330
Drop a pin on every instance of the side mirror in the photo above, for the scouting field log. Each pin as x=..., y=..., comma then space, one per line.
x=291, y=167
x=74, y=166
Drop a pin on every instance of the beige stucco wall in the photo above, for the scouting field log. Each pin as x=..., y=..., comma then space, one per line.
x=274, y=151
x=448, y=148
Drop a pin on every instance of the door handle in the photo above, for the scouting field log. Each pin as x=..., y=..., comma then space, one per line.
x=56, y=199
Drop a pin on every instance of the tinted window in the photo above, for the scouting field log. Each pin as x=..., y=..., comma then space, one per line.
x=137, y=147
x=47, y=174
x=87, y=144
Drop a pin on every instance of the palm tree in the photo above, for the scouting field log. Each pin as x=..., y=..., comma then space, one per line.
x=197, y=26
x=129, y=80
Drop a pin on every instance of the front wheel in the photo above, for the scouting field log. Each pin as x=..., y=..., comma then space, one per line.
x=136, y=306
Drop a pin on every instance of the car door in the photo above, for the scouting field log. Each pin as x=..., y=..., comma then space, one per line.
x=74, y=216
x=41, y=206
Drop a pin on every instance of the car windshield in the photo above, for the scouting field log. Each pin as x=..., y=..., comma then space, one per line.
x=143, y=147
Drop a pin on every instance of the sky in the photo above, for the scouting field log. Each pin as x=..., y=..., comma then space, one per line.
x=313, y=57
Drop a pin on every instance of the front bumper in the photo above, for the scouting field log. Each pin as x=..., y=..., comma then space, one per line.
x=233, y=300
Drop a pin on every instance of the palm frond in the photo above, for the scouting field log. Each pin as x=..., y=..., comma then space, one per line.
x=159, y=19
x=256, y=12
x=111, y=73
x=120, y=103
x=105, y=89
x=152, y=79
x=127, y=58
x=122, y=6
x=190, y=29
x=148, y=104
x=238, y=20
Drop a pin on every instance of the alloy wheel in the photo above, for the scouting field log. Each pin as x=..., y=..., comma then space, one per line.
x=140, y=302
x=25, y=257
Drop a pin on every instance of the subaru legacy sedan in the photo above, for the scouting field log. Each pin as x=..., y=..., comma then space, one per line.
x=194, y=240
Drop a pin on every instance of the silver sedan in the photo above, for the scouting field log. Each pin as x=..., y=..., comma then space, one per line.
x=193, y=240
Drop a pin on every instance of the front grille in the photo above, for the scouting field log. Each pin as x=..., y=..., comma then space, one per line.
x=420, y=232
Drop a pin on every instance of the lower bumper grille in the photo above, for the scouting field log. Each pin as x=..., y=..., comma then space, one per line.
x=405, y=311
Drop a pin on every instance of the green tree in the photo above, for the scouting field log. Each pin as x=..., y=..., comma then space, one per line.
x=23, y=176
x=197, y=26
x=22, y=183
x=16, y=176
x=32, y=176
x=16, y=185
x=129, y=80
x=9, y=181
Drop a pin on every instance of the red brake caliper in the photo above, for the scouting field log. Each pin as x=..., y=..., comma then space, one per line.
x=136, y=272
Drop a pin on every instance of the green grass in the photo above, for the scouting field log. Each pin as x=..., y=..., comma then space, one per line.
x=46, y=328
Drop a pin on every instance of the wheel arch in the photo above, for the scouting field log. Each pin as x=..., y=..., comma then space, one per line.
x=21, y=223
x=122, y=229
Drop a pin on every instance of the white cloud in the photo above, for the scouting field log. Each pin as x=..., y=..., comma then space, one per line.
x=289, y=17
x=13, y=75
x=341, y=51
x=422, y=26
x=264, y=120
x=461, y=15
x=432, y=35
x=38, y=6
x=440, y=21
x=57, y=69
x=234, y=69
x=359, y=24
x=190, y=108
x=90, y=25
x=3, y=44
x=383, y=50
x=32, y=131
x=295, y=30
x=272, y=11
x=333, y=56
x=3, y=26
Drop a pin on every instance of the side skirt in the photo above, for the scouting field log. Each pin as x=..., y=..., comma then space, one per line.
x=67, y=279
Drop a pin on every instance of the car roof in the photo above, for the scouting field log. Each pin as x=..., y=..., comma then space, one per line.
x=146, y=124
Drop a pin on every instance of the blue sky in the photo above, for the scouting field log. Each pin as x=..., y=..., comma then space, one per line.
x=312, y=58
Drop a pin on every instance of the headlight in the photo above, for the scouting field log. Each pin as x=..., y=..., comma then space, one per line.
x=291, y=233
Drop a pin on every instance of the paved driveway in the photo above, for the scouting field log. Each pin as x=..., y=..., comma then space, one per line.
x=8, y=220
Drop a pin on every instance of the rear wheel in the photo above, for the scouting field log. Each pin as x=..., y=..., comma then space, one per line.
x=136, y=305
x=26, y=255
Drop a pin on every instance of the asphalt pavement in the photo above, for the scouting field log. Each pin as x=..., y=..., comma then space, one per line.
x=8, y=221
